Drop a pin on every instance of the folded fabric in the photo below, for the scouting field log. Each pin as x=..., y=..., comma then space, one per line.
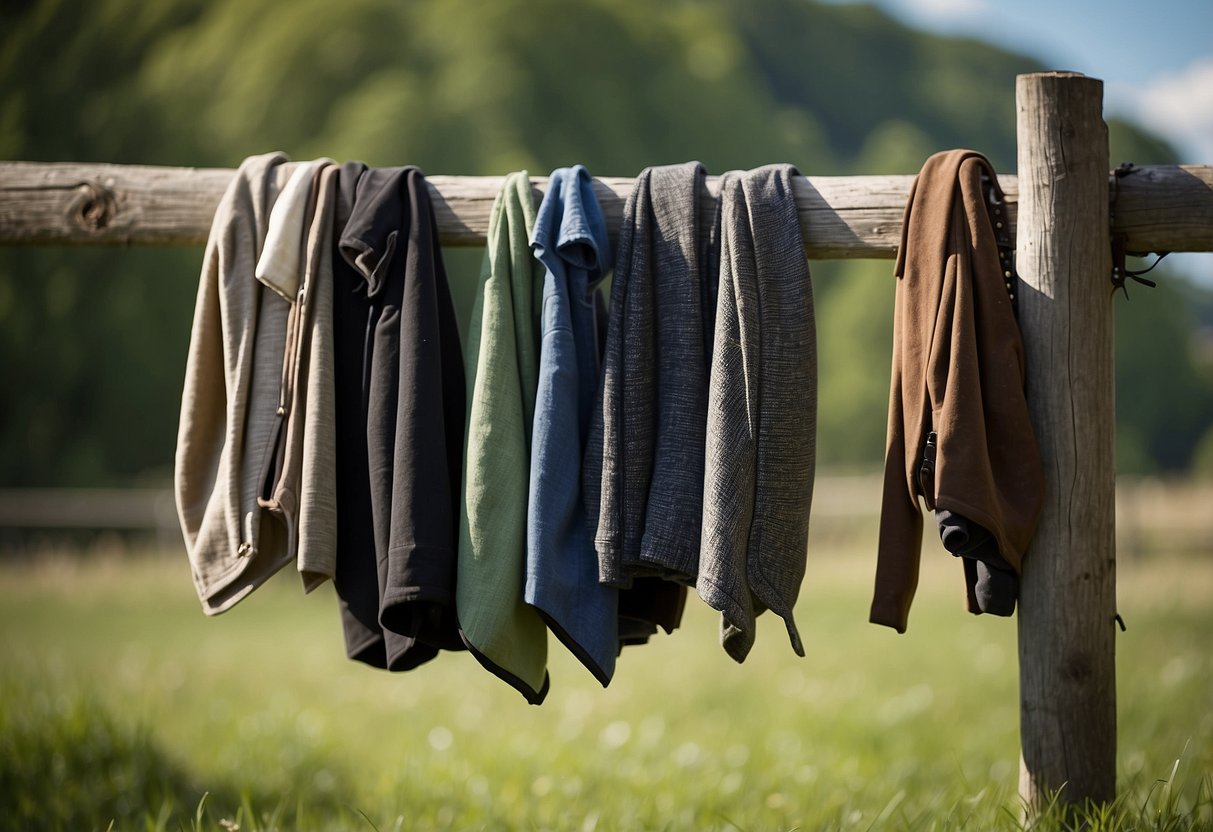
x=994, y=584
x=762, y=411
x=281, y=261
x=300, y=476
x=570, y=240
x=643, y=470
x=356, y=578
x=959, y=434
x=397, y=586
x=229, y=406
x=503, y=632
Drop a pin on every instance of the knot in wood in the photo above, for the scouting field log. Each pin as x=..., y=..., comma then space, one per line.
x=94, y=206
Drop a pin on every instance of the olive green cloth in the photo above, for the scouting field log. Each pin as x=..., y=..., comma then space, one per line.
x=502, y=631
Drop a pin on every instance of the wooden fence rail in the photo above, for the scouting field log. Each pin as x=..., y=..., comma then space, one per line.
x=1070, y=208
x=1159, y=208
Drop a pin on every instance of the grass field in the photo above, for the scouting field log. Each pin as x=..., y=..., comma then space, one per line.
x=121, y=703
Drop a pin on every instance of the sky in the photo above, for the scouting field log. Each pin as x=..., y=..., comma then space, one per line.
x=1155, y=59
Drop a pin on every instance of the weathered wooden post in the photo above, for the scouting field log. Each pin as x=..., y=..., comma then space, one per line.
x=1067, y=670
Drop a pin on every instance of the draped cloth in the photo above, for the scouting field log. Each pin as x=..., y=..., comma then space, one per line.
x=229, y=404
x=644, y=463
x=762, y=411
x=958, y=380
x=570, y=240
x=505, y=634
x=399, y=424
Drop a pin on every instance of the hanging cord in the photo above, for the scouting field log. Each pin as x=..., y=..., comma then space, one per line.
x=1121, y=274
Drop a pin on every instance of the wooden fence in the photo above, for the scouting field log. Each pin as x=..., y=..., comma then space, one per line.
x=1064, y=211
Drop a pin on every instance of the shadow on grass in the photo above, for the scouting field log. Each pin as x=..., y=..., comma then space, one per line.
x=68, y=764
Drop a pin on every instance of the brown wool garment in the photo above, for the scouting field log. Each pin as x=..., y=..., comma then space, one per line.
x=958, y=370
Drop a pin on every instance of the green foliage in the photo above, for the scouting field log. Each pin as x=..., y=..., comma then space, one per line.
x=1202, y=458
x=1164, y=404
x=92, y=343
x=1127, y=143
x=92, y=346
x=852, y=68
x=69, y=72
x=855, y=352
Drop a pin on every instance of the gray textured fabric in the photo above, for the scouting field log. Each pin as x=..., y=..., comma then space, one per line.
x=762, y=411
x=644, y=461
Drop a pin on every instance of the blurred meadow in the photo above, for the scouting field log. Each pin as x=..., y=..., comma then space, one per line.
x=120, y=701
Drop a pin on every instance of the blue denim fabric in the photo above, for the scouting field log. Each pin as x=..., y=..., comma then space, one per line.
x=570, y=240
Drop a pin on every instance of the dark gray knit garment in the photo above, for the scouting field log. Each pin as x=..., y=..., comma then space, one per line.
x=762, y=411
x=644, y=463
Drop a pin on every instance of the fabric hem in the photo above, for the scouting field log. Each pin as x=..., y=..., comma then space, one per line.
x=573, y=646
x=221, y=596
x=532, y=696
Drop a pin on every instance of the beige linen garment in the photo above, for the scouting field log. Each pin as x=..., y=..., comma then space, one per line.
x=303, y=470
x=280, y=266
x=229, y=406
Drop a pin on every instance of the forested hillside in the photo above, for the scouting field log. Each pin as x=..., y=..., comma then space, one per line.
x=92, y=342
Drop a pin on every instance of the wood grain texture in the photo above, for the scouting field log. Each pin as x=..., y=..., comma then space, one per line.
x=1068, y=595
x=96, y=204
x=99, y=204
x=1163, y=208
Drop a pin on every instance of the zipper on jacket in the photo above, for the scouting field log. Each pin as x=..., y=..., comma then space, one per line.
x=926, y=471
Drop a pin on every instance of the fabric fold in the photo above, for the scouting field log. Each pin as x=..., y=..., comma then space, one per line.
x=505, y=634
x=301, y=476
x=643, y=469
x=401, y=353
x=281, y=262
x=762, y=411
x=356, y=578
x=570, y=240
x=957, y=409
x=229, y=420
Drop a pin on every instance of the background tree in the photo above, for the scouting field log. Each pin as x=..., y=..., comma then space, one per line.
x=92, y=342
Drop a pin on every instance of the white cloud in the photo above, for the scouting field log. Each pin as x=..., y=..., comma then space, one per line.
x=1178, y=106
x=941, y=10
